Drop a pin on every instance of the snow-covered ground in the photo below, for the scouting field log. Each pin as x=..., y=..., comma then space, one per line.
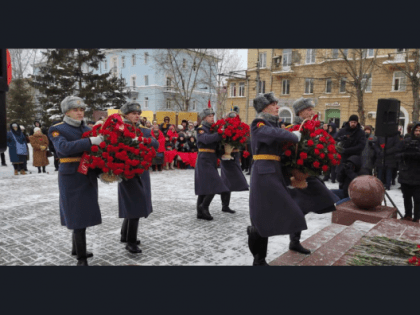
x=171, y=235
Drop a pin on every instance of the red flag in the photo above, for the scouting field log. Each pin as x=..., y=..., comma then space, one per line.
x=209, y=104
x=9, y=67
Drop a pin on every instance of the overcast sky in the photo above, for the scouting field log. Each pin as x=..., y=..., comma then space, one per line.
x=243, y=53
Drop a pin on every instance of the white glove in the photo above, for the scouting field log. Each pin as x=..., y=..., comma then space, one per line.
x=96, y=140
x=298, y=134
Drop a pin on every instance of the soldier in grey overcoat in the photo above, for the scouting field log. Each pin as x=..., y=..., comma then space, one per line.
x=232, y=175
x=134, y=195
x=316, y=197
x=272, y=210
x=79, y=206
x=206, y=177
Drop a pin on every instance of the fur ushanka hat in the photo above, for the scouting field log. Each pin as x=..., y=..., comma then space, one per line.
x=72, y=102
x=263, y=100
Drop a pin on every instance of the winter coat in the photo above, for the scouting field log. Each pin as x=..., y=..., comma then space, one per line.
x=160, y=139
x=334, y=131
x=173, y=135
x=191, y=133
x=169, y=146
x=349, y=171
x=392, y=147
x=409, y=166
x=369, y=153
x=272, y=209
x=164, y=127
x=18, y=149
x=40, y=156
x=135, y=195
x=192, y=146
x=232, y=175
x=315, y=198
x=182, y=146
x=206, y=176
x=354, y=144
x=79, y=206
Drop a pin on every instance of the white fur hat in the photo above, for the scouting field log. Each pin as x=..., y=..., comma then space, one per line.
x=36, y=129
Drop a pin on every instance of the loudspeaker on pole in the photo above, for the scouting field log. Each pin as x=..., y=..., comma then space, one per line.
x=387, y=117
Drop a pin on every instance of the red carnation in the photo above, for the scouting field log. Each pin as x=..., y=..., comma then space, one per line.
x=316, y=164
x=94, y=148
x=319, y=146
x=299, y=162
x=105, y=170
x=303, y=155
x=246, y=154
x=331, y=149
x=310, y=143
x=316, y=151
x=288, y=153
x=325, y=168
x=312, y=135
x=322, y=155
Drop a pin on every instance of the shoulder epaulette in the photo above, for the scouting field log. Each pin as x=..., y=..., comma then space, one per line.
x=58, y=123
x=287, y=127
x=260, y=124
x=200, y=126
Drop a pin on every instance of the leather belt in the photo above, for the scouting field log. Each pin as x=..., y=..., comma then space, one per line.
x=267, y=157
x=207, y=150
x=70, y=160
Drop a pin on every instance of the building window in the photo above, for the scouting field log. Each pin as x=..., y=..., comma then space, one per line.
x=232, y=89
x=345, y=52
x=310, y=56
x=133, y=60
x=106, y=64
x=194, y=106
x=146, y=102
x=261, y=87
x=334, y=53
x=133, y=81
x=399, y=81
x=369, y=83
x=122, y=62
x=184, y=63
x=309, y=86
x=286, y=116
x=328, y=87
x=367, y=53
x=168, y=104
x=343, y=85
x=146, y=80
x=286, y=87
x=262, y=57
x=241, y=89
x=146, y=58
x=287, y=57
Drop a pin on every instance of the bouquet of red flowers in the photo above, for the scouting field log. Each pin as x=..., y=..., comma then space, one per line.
x=234, y=133
x=315, y=153
x=118, y=156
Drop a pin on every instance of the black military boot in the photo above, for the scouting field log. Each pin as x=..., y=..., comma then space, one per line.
x=225, y=202
x=80, y=240
x=124, y=232
x=295, y=244
x=133, y=225
x=203, y=209
x=73, y=250
x=258, y=246
x=200, y=199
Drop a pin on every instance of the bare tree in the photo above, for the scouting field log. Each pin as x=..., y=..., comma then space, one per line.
x=356, y=68
x=22, y=61
x=182, y=68
x=408, y=62
x=225, y=61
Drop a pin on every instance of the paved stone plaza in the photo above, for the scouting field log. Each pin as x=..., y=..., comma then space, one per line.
x=31, y=234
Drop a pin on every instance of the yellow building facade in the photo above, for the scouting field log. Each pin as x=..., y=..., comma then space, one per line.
x=321, y=74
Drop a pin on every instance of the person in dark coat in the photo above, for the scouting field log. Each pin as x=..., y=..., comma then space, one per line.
x=389, y=149
x=164, y=127
x=134, y=195
x=181, y=145
x=409, y=176
x=25, y=164
x=332, y=131
x=18, y=149
x=369, y=152
x=349, y=172
x=192, y=144
x=76, y=213
x=316, y=197
x=207, y=181
x=52, y=150
x=272, y=209
x=232, y=176
x=351, y=139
